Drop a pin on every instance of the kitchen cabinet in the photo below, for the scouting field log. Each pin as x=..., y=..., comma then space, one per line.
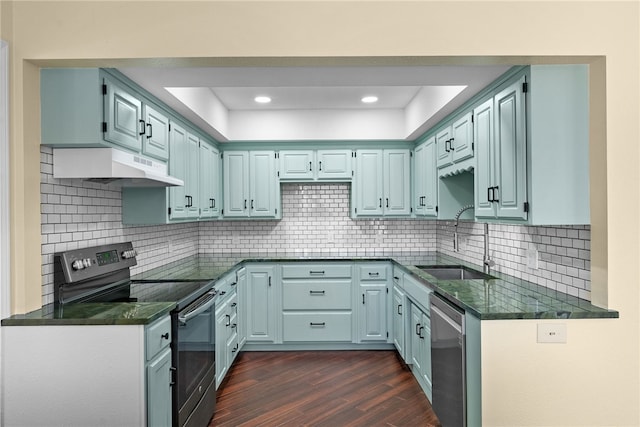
x=501, y=168
x=184, y=164
x=159, y=373
x=316, y=302
x=425, y=179
x=92, y=107
x=251, y=189
x=263, y=309
x=123, y=123
x=455, y=141
x=227, y=307
x=372, y=301
x=155, y=137
x=399, y=313
x=421, y=347
x=315, y=165
x=127, y=367
x=210, y=181
x=382, y=183
x=241, y=278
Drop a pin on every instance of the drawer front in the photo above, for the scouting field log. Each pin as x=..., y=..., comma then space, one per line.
x=317, y=326
x=418, y=292
x=157, y=337
x=316, y=294
x=225, y=285
x=373, y=271
x=316, y=271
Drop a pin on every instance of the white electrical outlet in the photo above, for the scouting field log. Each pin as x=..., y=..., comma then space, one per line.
x=330, y=238
x=379, y=236
x=235, y=239
x=532, y=259
x=552, y=333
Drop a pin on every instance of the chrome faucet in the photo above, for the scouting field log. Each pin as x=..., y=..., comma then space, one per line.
x=487, y=262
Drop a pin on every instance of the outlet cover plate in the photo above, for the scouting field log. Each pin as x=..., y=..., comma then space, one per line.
x=552, y=333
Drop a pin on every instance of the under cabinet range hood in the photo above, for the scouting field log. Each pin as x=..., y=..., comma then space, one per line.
x=108, y=165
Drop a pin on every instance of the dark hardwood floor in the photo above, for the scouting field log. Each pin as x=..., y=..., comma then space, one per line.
x=321, y=388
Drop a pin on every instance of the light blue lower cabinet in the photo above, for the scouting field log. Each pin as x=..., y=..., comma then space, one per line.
x=159, y=390
x=420, y=360
x=316, y=326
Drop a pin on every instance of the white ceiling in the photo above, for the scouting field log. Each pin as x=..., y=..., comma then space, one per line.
x=315, y=103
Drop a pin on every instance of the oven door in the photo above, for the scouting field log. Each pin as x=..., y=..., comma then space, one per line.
x=194, y=359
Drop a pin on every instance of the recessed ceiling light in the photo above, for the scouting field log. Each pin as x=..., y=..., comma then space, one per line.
x=369, y=99
x=262, y=99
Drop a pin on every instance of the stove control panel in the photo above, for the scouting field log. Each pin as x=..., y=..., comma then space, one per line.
x=86, y=263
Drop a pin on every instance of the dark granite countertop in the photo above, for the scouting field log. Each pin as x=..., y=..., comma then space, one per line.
x=110, y=313
x=502, y=298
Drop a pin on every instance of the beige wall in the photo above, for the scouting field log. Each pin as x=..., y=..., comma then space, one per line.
x=605, y=351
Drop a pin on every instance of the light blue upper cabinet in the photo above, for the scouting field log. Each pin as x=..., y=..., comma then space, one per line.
x=155, y=139
x=236, y=183
x=425, y=193
x=501, y=174
x=297, y=165
x=263, y=186
x=455, y=141
x=382, y=183
x=334, y=164
x=397, y=182
x=184, y=164
x=315, y=165
x=178, y=167
x=210, y=179
x=251, y=188
x=369, y=183
x=122, y=116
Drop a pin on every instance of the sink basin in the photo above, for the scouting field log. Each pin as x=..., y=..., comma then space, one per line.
x=453, y=272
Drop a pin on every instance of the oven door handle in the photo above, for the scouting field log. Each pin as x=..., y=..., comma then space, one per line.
x=201, y=306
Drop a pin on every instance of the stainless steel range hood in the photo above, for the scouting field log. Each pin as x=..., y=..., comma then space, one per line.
x=108, y=165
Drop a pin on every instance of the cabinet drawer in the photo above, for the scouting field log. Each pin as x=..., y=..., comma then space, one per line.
x=157, y=337
x=373, y=271
x=316, y=294
x=225, y=285
x=418, y=292
x=317, y=326
x=313, y=271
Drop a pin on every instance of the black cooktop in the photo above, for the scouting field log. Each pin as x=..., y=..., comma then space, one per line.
x=181, y=292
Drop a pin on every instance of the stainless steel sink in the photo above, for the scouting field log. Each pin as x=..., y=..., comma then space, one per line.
x=453, y=272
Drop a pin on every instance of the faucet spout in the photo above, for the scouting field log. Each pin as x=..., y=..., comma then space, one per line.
x=455, y=232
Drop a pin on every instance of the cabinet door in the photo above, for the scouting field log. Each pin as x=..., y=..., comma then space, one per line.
x=373, y=313
x=398, y=314
x=334, y=164
x=416, y=341
x=510, y=152
x=483, y=174
x=296, y=164
x=236, y=183
x=155, y=141
x=263, y=184
x=223, y=320
x=443, y=141
x=178, y=168
x=431, y=178
x=192, y=178
x=462, y=138
x=242, y=306
x=419, y=180
x=369, y=182
x=209, y=181
x=425, y=336
x=261, y=304
x=159, y=390
x=397, y=182
x=123, y=116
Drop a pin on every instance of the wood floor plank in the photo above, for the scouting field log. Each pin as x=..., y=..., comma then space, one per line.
x=321, y=388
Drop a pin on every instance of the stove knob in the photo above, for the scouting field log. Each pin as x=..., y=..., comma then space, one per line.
x=129, y=254
x=86, y=262
x=77, y=265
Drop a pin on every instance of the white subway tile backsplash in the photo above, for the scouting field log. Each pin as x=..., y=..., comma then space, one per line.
x=315, y=220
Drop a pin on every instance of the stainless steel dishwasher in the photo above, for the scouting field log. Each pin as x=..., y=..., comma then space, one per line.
x=448, y=363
